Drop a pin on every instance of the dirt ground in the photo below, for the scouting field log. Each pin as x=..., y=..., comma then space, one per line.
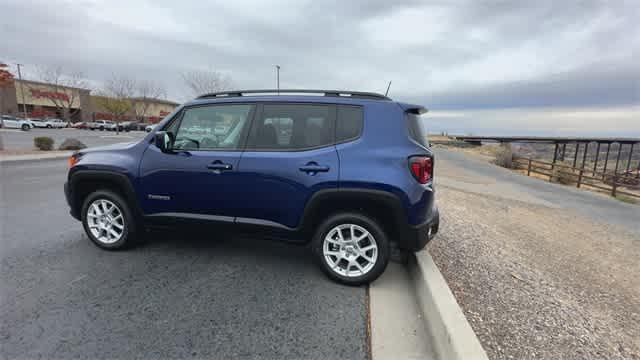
x=538, y=282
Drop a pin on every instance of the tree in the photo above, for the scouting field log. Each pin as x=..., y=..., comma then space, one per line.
x=62, y=99
x=116, y=97
x=202, y=82
x=145, y=91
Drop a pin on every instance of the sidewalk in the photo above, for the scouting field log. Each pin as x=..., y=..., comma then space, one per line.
x=36, y=155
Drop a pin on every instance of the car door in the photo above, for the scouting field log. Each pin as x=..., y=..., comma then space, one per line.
x=199, y=177
x=10, y=122
x=290, y=155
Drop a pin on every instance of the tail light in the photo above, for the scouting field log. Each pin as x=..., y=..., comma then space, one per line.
x=421, y=168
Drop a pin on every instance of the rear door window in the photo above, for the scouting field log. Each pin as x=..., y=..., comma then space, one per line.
x=290, y=127
x=417, y=129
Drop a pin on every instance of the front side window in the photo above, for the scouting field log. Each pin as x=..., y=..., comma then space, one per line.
x=292, y=127
x=217, y=127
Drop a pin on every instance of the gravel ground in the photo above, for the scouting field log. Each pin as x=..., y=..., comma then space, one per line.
x=537, y=282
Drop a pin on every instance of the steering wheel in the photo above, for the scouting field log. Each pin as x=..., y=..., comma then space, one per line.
x=196, y=142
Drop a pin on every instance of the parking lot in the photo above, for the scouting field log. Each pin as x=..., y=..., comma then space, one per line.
x=196, y=294
x=15, y=139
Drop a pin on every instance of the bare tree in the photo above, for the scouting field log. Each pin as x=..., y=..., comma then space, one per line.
x=60, y=80
x=202, y=82
x=116, y=97
x=145, y=92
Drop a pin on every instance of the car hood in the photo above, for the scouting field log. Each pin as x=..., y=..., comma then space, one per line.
x=117, y=146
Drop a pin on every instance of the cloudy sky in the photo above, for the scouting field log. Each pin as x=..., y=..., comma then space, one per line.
x=481, y=67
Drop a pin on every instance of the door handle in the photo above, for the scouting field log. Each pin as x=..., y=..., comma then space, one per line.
x=313, y=168
x=219, y=166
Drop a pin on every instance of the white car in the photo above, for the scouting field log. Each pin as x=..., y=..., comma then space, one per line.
x=102, y=125
x=49, y=123
x=11, y=122
x=56, y=123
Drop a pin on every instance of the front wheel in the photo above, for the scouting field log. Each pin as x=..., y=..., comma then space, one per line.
x=108, y=220
x=351, y=248
x=25, y=127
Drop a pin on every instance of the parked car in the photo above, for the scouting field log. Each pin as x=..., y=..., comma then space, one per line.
x=354, y=176
x=80, y=125
x=101, y=125
x=49, y=123
x=12, y=122
x=128, y=126
x=150, y=128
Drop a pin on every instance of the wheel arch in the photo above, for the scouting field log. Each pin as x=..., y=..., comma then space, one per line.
x=84, y=182
x=383, y=207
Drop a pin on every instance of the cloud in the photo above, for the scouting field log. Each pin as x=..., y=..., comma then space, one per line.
x=446, y=55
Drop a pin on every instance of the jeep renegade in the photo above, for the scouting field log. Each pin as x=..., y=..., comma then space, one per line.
x=347, y=172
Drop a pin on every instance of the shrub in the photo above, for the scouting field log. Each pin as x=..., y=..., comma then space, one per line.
x=44, y=143
x=504, y=156
x=72, y=144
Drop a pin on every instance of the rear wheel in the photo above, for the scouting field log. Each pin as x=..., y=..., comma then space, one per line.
x=108, y=220
x=351, y=248
x=25, y=127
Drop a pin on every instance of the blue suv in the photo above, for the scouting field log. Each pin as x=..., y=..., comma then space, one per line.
x=347, y=172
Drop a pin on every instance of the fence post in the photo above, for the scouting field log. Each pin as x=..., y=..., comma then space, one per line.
x=529, y=168
x=614, y=185
x=580, y=177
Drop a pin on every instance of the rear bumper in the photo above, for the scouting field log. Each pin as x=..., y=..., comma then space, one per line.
x=417, y=236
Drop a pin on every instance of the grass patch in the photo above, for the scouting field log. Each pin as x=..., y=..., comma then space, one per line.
x=628, y=199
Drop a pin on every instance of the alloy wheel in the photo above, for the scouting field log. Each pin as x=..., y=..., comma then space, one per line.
x=105, y=221
x=350, y=250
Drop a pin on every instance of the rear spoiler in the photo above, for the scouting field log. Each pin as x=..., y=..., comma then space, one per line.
x=413, y=109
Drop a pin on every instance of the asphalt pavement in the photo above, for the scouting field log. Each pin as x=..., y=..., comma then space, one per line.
x=15, y=139
x=179, y=295
x=462, y=171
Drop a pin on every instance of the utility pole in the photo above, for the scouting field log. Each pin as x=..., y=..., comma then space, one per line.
x=24, y=105
x=278, y=78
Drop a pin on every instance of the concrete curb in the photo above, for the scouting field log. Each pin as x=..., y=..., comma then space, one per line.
x=452, y=335
x=34, y=157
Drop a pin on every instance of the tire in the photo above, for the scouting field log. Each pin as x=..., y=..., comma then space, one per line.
x=103, y=200
x=25, y=127
x=49, y=126
x=342, y=267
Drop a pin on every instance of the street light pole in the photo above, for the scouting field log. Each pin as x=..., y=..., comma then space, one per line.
x=278, y=78
x=24, y=104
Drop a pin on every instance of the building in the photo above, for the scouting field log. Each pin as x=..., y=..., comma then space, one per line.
x=43, y=100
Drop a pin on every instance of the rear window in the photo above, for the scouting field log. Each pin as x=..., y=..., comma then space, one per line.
x=417, y=129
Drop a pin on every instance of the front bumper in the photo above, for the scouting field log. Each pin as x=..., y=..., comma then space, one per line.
x=69, y=197
x=417, y=236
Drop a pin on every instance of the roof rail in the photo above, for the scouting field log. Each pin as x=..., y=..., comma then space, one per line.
x=337, y=93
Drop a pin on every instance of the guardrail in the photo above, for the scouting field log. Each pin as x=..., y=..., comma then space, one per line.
x=610, y=182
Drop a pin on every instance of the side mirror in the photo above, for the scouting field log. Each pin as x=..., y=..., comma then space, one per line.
x=164, y=141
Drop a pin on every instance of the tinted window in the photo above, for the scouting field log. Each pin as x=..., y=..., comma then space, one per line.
x=211, y=127
x=348, y=123
x=417, y=129
x=292, y=127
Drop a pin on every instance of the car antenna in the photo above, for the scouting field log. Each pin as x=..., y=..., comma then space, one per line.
x=388, y=86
